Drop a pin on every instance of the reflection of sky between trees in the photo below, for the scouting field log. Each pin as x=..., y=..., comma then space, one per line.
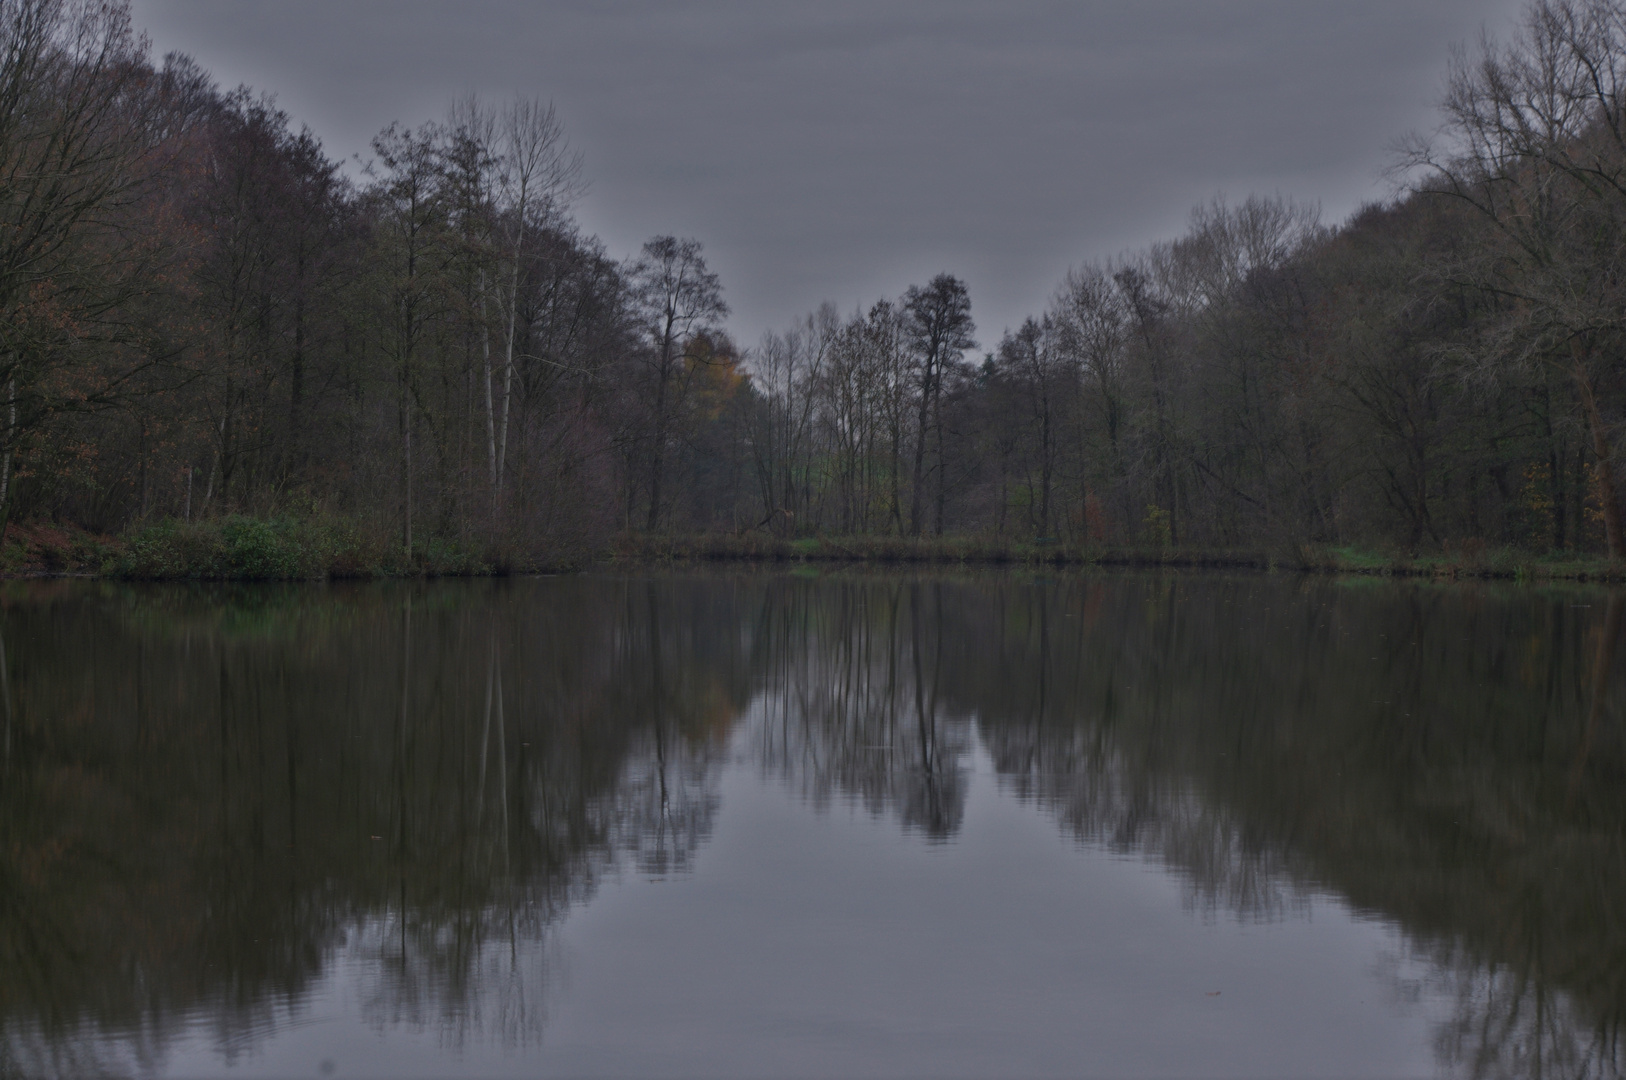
x=1130, y=712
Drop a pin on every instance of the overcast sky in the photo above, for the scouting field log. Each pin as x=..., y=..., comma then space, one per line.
x=842, y=151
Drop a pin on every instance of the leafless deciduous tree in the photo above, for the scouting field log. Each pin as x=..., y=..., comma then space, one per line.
x=938, y=321
x=410, y=210
x=1535, y=142
x=539, y=175
x=74, y=90
x=676, y=297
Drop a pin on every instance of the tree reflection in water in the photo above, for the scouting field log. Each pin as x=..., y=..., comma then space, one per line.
x=215, y=795
x=1450, y=758
x=851, y=703
x=209, y=798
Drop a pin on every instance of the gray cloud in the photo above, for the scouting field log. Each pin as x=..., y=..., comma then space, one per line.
x=844, y=150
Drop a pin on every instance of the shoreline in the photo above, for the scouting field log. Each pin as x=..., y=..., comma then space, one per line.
x=250, y=549
x=1476, y=564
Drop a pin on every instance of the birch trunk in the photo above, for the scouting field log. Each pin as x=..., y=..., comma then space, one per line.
x=491, y=416
x=508, y=343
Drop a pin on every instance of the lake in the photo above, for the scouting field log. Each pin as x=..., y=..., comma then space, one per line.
x=758, y=823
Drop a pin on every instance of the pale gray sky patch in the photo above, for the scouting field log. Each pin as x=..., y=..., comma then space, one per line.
x=843, y=151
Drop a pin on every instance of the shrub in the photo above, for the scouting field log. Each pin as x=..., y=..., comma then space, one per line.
x=236, y=548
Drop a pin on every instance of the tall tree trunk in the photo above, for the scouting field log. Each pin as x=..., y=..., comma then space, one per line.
x=1608, y=495
x=508, y=362
x=1555, y=471
x=293, y=461
x=1045, y=470
x=657, y=463
x=942, y=463
x=895, y=473
x=491, y=415
x=141, y=468
x=5, y=695
x=920, y=449
x=406, y=467
x=5, y=459
x=214, y=463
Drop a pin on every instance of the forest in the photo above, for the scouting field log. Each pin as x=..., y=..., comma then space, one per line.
x=205, y=317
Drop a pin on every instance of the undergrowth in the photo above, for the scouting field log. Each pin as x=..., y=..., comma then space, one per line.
x=241, y=548
x=238, y=548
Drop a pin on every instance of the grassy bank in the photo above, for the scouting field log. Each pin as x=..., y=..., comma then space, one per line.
x=1469, y=562
x=277, y=549
x=295, y=549
x=255, y=549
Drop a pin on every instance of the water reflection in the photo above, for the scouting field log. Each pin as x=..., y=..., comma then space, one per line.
x=853, y=680
x=210, y=795
x=210, y=798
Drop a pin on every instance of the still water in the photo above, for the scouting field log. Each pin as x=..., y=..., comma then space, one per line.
x=747, y=824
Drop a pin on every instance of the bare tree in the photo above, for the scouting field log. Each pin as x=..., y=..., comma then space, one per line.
x=411, y=213
x=72, y=158
x=940, y=329
x=1091, y=325
x=539, y=176
x=790, y=371
x=1149, y=307
x=1033, y=356
x=1535, y=142
x=676, y=297
x=471, y=163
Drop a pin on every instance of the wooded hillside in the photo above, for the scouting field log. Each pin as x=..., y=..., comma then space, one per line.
x=203, y=313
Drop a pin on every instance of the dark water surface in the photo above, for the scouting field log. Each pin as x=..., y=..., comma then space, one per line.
x=740, y=824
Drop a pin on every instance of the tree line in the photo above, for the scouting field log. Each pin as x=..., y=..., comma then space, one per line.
x=202, y=313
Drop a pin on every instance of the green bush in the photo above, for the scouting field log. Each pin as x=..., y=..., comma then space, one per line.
x=449, y=558
x=274, y=550
x=170, y=549
x=235, y=548
x=240, y=548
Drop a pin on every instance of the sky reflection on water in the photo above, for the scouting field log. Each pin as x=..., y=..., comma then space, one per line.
x=747, y=824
